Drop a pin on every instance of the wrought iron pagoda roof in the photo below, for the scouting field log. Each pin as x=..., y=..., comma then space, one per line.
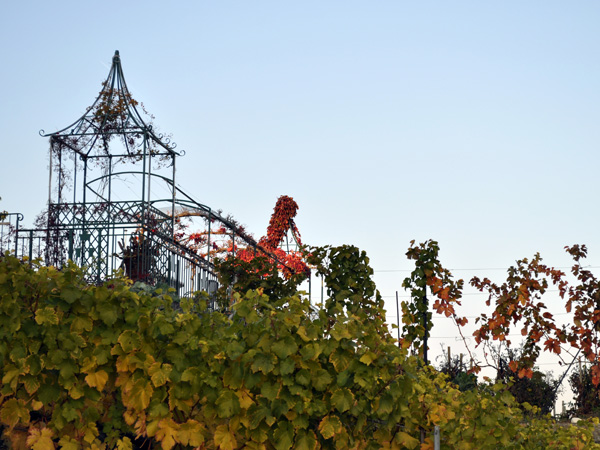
x=114, y=112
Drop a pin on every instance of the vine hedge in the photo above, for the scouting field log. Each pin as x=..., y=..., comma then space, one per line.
x=103, y=367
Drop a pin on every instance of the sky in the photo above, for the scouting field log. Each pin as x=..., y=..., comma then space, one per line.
x=471, y=123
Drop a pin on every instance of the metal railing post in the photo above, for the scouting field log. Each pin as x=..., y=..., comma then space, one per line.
x=30, y=245
x=19, y=217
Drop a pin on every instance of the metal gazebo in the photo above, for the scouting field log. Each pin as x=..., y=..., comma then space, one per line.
x=113, y=202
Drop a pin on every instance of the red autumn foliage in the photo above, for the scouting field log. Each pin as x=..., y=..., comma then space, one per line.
x=517, y=304
x=282, y=221
x=221, y=241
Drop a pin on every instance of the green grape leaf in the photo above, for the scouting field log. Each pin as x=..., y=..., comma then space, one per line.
x=330, y=426
x=321, y=379
x=284, y=347
x=283, y=436
x=342, y=399
x=228, y=404
x=262, y=363
x=46, y=315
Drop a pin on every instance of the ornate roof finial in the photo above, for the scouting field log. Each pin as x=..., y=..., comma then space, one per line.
x=113, y=113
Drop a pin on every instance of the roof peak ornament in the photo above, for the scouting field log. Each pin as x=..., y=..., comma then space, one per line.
x=115, y=113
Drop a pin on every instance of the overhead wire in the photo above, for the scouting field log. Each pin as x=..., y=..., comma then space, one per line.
x=476, y=269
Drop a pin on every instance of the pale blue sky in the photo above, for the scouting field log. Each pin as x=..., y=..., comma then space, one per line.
x=473, y=123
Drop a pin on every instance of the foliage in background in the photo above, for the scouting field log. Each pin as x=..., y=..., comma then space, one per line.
x=586, y=400
x=458, y=373
x=538, y=390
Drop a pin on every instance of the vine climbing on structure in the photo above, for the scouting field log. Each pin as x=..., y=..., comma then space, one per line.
x=282, y=242
x=113, y=201
x=283, y=239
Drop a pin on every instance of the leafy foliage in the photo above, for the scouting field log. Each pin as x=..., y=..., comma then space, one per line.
x=290, y=263
x=539, y=390
x=586, y=394
x=458, y=373
x=428, y=273
x=260, y=272
x=518, y=305
x=95, y=367
x=220, y=242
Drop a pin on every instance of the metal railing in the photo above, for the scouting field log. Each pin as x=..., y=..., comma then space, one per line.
x=9, y=227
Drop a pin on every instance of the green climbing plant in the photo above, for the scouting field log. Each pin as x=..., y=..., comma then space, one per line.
x=428, y=275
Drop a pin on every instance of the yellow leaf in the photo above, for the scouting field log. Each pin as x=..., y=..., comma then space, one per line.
x=76, y=391
x=302, y=333
x=40, y=439
x=129, y=341
x=91, y=433
x=159, y=373
x=406, y=439
x=152, y=427
x=428, y=444
x=224, y=439
x=123, y=364
x=367, y=358
x=140, y=425
x=254, y=446
x=190, y=433
x=81, y=323
x=167, y=430
x=245, y=399
x=140, y=395
x=11, y=374
x=46, y=315
x=124, y=444
x=89, y=364
x=329, y=426
x=36, y=405
x=14, y=411
x=129, y=418
x=67, y=443
x=97, y=379
x=125, y=382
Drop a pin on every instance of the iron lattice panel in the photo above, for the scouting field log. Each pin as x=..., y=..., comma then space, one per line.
x=132, y=236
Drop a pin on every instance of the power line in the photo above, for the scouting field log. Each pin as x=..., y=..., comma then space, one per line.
x=479, y=268
x=393, y=316
x=463, y=294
